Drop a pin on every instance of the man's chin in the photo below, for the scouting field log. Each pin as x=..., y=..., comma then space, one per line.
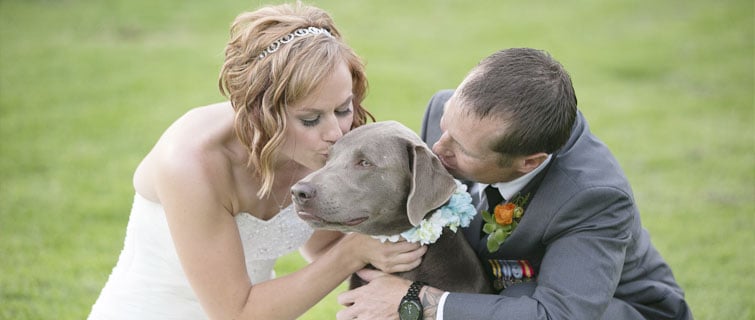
x=452, y=169
x=456, y=174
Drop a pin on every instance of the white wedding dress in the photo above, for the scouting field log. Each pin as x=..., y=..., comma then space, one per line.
x=148, y=281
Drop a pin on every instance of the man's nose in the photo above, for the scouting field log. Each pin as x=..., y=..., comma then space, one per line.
x=439, y=147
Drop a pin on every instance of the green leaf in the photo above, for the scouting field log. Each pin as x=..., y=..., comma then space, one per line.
x=486, y=216
x=499, y=236
x=493, y=245
x=488, y=228
x=518, y=212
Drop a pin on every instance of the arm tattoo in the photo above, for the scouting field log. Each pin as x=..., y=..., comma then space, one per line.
x=430, y=298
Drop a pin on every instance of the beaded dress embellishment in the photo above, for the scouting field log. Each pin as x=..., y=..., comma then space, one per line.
x=269, y=239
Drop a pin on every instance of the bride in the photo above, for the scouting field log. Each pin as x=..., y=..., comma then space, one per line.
x=212, y=213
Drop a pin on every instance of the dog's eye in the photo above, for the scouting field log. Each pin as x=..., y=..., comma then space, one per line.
x=364, y=163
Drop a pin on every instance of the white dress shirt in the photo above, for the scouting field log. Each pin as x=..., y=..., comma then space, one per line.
x=507, y=190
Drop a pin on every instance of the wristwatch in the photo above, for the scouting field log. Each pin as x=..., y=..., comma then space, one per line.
x=410, y=307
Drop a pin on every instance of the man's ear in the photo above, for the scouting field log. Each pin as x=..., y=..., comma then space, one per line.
x=431, y=184
x=531, y=162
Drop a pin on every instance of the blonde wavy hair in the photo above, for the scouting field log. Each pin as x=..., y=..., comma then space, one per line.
x=261, y=88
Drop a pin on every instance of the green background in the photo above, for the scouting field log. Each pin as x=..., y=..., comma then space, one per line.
x=86, y=88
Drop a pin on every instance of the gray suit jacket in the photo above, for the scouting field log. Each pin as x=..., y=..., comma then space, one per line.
x=579, y=251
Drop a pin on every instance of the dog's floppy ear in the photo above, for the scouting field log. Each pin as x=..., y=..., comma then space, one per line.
x=431, y=184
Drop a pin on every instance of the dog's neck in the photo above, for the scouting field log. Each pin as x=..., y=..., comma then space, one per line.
x=458, y=212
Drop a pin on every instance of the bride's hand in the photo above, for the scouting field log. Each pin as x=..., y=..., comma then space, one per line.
x=388, y=257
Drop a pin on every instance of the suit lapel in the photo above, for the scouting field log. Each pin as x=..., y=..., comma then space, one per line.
x=529, y=191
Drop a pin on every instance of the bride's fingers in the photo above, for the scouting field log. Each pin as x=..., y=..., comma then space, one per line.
x=403, y=261
x=405, y=246
x=393, y=257
x=403, y=267
x=409, y=256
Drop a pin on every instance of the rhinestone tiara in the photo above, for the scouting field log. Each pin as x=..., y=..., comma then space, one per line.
x=298, y=33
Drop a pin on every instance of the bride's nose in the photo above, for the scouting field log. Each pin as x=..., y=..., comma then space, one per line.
x=332, y=131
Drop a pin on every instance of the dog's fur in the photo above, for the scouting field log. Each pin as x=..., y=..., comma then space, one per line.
x=381, y=179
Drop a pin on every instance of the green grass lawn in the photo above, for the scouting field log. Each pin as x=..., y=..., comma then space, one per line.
x=86, y=88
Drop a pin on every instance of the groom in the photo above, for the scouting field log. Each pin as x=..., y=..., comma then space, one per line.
x=563, y=239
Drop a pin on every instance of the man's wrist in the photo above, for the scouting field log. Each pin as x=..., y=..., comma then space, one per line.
x=410, y=307
x=430, y=298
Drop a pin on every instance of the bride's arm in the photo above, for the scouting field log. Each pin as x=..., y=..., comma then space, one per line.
x=207, y=241
x=388, y=257
x=319, y=243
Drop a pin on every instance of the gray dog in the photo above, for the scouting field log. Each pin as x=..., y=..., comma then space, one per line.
x=381, y=179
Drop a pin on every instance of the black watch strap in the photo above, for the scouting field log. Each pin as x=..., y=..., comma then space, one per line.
x=413, y=292
x=410, y=307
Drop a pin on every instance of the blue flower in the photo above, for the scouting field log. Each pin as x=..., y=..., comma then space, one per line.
x=458, y=212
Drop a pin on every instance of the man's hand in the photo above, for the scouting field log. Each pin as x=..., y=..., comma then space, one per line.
x=378, y=299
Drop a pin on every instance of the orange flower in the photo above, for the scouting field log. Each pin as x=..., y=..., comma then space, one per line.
x=504, y=213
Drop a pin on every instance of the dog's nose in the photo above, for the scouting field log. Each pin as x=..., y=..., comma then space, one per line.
x=303, y=192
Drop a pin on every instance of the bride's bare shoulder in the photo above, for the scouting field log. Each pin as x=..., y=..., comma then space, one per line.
x=194, y=145
x=198, y=129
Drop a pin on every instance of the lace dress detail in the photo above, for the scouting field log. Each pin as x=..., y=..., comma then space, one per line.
x=265, y=241
x=148, y=281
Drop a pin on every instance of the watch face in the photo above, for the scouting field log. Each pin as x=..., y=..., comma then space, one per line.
x=409, y=310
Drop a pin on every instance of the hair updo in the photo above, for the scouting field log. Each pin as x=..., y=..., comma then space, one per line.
x=260, y=87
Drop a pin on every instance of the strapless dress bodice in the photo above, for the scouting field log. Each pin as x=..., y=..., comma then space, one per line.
x=148, y=281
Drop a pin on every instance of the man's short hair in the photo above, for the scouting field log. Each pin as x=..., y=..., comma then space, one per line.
x=530, y=92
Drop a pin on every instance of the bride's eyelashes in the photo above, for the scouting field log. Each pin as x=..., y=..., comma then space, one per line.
x=313, y=121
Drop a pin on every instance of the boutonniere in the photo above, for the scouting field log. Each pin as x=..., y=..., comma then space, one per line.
x=503, y=221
